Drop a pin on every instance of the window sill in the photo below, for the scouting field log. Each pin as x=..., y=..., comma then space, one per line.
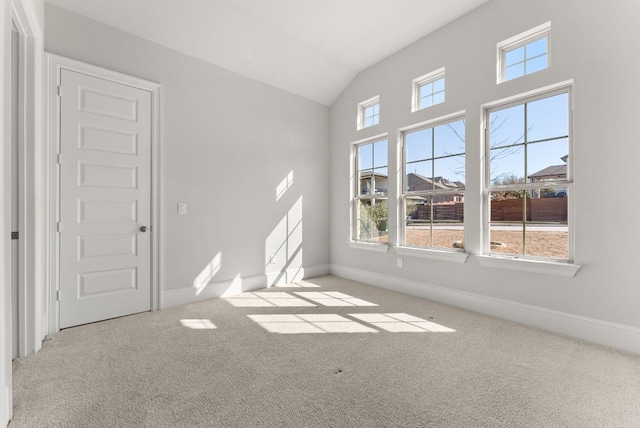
x=379, y=248
x=567, y=270
x=446, y=256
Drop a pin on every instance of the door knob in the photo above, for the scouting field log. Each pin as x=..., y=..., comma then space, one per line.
x=143, y=228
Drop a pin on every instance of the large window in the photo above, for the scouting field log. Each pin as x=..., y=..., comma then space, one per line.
x=528, y=148
x=433, y=197
x=524, y=54
x=370, y=210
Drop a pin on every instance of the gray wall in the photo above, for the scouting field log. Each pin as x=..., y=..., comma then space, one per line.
x=228, y=143
x=593, y=42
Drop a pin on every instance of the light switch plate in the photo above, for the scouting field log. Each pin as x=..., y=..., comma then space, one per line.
x=182, y=208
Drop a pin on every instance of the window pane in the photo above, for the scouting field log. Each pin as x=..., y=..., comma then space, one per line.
x=545, y=160
x=372, y=220
x=419, y=176
x=546, y=232
x=426, y=101
x=449, y=139
x=417, y=222
x=418, y=145
x=438, y=98
x=507, y=165
x=438, y=85
x=537, y=48
x=514, y=71
x=376, y=109
x=380, y=154
x=506, y=234
x=514, y=56
x=548, y=118
x=426, y=90
x=536, y=64
x=451, y=170
x=381, y=176
x=506, y=127
x=365, y=156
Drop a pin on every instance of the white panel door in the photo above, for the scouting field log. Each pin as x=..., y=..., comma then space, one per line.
x=105, y=199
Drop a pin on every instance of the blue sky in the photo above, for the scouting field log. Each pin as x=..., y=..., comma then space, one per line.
x=546, y=118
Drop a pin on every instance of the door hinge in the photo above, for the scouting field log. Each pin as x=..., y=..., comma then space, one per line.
x=15, y=235
x=59, y=227
x=58, y=295
x=59, y=158
x=60, y=90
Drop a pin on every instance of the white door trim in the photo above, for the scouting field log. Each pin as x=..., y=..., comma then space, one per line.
x=55, y=65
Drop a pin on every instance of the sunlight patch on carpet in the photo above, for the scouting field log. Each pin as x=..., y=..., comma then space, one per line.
x=333, y=298
x=402, y=323
x=196, y=324
x=309, y=323
x=277, y=299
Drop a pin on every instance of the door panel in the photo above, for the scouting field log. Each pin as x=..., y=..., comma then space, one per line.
x=105, y=197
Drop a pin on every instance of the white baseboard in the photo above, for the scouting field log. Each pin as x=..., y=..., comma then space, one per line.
x=182, y=296
x=619, y=336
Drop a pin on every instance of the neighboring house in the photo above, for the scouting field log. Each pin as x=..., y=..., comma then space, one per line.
x=373, y=183
x=550, y=173
x=417, y=182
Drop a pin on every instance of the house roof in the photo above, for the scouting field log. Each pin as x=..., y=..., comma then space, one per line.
x=551, y=171
x=439, y=182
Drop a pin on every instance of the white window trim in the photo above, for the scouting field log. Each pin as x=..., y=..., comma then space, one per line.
x=361, y=108
x=382, y=247
x=524, y=263
x=515, y=42
x=433, y=254
x=370, y=246
x=567, y=270
x=418, y=82
x=453, y=255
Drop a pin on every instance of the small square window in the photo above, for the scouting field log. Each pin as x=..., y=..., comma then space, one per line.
x=428, y=90
x=369, y=112
x=524, y=54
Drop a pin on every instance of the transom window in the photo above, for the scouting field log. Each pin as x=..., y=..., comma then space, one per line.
x=524, y=54
x=370, y=210
x=529, y=182
x=433, y=197
x=369, y=112
x=428, y=90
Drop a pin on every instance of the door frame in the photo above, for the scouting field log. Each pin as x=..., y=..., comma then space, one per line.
x=55, y=65
x=31, y=307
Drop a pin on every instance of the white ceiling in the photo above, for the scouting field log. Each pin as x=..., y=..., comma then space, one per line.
x=312, y=48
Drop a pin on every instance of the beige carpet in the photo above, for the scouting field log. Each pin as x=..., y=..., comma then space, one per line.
x=286, y=360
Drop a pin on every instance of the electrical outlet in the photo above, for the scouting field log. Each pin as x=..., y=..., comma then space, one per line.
x=400, y=263
x=182, y=208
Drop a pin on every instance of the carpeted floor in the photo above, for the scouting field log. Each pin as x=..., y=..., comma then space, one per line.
x=289, y=360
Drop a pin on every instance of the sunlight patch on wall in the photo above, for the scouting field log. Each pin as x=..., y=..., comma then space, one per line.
x=198, y=324
x=284, y=185
x=207, y=274
x=277, y=299
x=333, y=298
x=283, y=248
x=309, y=323
x=400, y=323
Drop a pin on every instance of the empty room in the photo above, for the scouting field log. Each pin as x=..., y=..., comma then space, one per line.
x=319, y=213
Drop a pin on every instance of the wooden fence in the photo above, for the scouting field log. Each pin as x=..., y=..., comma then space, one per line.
x=538, y=210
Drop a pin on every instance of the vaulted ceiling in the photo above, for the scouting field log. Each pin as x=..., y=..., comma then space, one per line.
x=312, y=48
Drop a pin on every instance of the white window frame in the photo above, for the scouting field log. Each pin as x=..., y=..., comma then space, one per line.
x=356, y=196
x=421, y=81
x=443, y=254
x=544, y=265
x=362, y=107
x=515, y=42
